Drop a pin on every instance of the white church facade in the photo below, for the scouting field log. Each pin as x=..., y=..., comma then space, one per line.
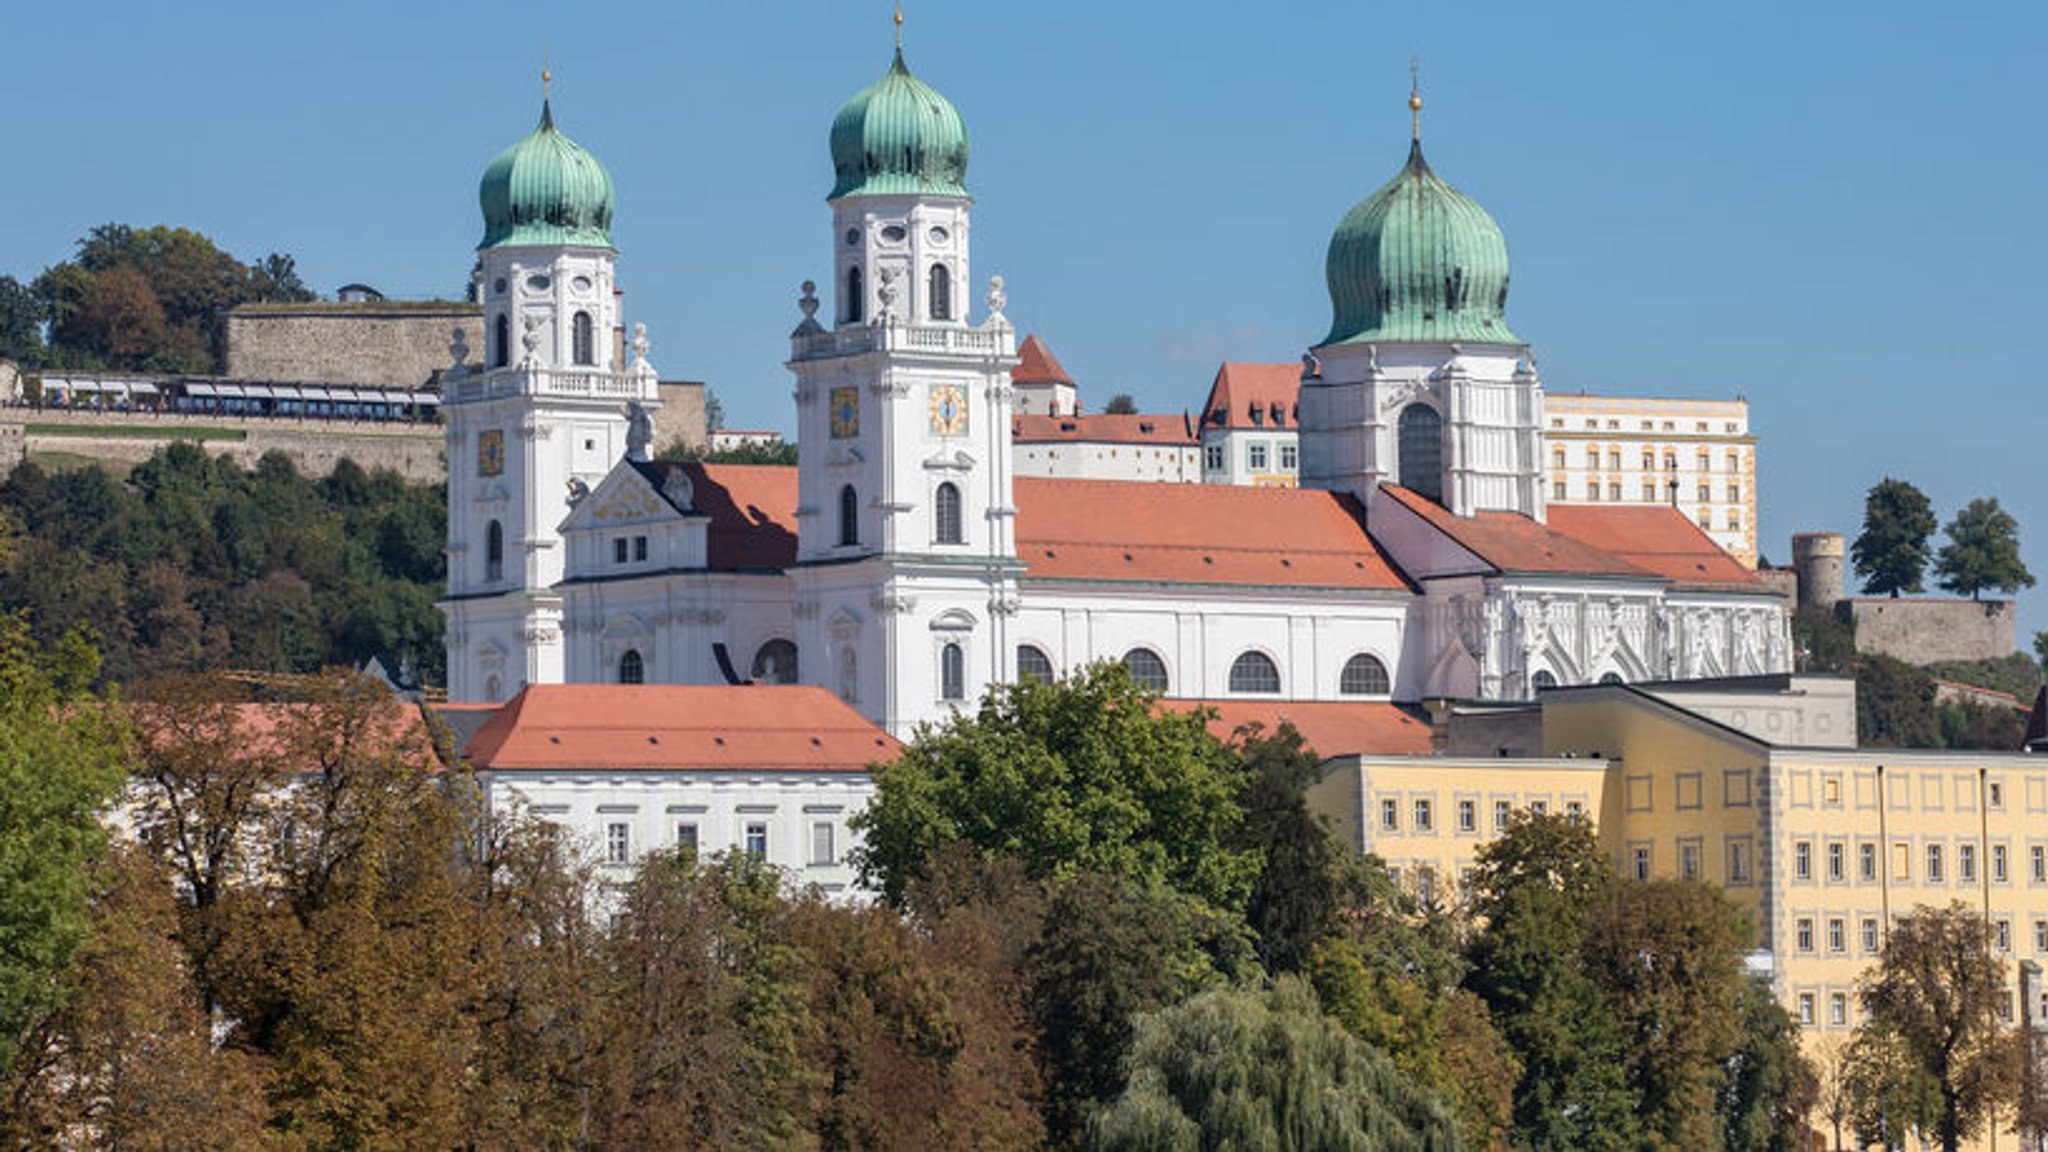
x=903, y=566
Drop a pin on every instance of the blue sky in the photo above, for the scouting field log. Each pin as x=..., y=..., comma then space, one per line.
x=1831, y=210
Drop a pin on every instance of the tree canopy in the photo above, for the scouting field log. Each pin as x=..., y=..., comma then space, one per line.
x=1890, y=554
x=1983, y=551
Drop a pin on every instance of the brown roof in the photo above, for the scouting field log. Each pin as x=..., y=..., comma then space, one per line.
x=1240, y=388
x=1329, y=727
x=1643, y=541
x=752, y=509
x=653, y=727
x=1197, y=534
x=1102, y=428
x=1037, y=365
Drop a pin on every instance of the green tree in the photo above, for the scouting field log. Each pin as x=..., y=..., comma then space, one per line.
x=1983, y=551
x=61, y=760
x=1889, y=1093
x=1264, y=1071
x=1294, y=899
x=781, y=452
x=1823, y=641
x=1770, y=1086
x=1086, y=774
x=2041, y=649
x=21, y=324
x=1894, y=705
x=1121, y=404
x=1890, y=554
x=1937, y=988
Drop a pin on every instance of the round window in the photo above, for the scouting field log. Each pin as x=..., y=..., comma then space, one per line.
x=939, y=235
x=894, y=234
x=852, y=236
x=538, y=283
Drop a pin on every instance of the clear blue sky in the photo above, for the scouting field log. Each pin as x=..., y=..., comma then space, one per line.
x=1831, y=210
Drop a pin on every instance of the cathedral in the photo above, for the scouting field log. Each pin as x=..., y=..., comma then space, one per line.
x=903, y=566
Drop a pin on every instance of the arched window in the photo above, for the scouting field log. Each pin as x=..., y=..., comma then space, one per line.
x=631, y=669
x=1147, y=669
x=940, y=288
x=1033, y=664
x=946, y=514
x=1422, y=451
x=1363, y=675
x=493, y=688
x=582, y=339
x=952, y=673
x=1254, y=672
x=775, y=663
x=1610, y=678
x=856, y=294
x=494, y=551
x=501, y=341
x=849, y=675
x=1543, y=679
x=849, y=516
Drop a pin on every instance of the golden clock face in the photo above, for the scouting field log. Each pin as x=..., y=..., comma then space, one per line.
x=845, y=413
x=949, y=410
x=490, y=452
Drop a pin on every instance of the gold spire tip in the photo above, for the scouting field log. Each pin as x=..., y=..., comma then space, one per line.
x=899, y=25
x=1415, y=96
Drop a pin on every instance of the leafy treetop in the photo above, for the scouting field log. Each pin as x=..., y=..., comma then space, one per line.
x=1890, y=554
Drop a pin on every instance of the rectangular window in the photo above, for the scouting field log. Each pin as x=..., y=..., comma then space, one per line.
x=1255, y=455
x=1468, y=816
x=1593, y=490
x=1995, y=794
x=639, y=549
x=2001, y=935
x=1640, y=857
x=2041, y=935
x=1290, y=457
x=1649, y=490
x=1806, y=1008
x=1831, y=791
x=1805, y=934
x=1688, y=861
x=757, y=840
x=1866, y=862
x=1838, y=935
x=619, y=550
x=1212, y=457
x=2000, y=870
x=1390, y=815
x=618, y=843
x=822, y=848
x=2037, y=857
x=1902, y=862
x=1560, y=491
x=686, y=840
x=1539, y=807
x=1838, y=870
x=1934, y=864
x=1557, y=458
x=1614, y=490
x=1870, y=934
x=1592, y=457
x=1735, y=493
x=1502, y=810
x=1838, y=1009
x=1423, y=816
x=1966, y=863
x=1802, y=860
x=1425, y=885
x=1738, y=862
x=1649, y=461
x=1574, y=809
x=1613, y=460
x=1706, y=493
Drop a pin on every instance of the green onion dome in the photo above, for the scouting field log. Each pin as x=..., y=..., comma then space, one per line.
x=1418, y=261
x=546, y=190
x=899, y=137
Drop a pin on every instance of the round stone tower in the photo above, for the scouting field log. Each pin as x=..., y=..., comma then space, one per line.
x=1817, y=561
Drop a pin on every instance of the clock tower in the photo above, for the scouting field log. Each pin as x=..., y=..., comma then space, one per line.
x=906, y=553
x=540, y=419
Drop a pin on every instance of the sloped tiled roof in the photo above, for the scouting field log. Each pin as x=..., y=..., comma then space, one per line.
x=1330, y=727
x=1037, y=365
x=752, y=509
x=1241, y=387
x=1102, y=428
x=649, y=727
x=1197, y=534
x=1645, y=542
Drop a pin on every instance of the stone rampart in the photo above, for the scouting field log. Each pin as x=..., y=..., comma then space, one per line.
x=373, y=344
x=124, y=440
x=1931, y=631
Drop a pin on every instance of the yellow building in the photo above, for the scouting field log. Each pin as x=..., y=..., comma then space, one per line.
x=1754, y=785
x=1697, y=455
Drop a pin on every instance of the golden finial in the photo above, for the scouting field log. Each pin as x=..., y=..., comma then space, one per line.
x=899, y=25
x=547, y=78
x=1415, y=96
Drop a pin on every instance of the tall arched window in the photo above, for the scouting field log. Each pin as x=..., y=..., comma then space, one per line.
x=849, y=516
x=1147, y=669
x=1363, y=675
x=946, y=514
x=952, y=673
x=775, y=663
x=1254, y=672
x=856, y=294
x=501, y=341
x=583, y=339
x=1033, y=664
x=494, y=551
x=940, y=288
x=631, y=669
x=1422, y=451
x=849, y=675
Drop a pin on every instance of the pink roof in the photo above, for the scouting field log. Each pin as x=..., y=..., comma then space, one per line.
x=1240, y=388
x=1102, y=428
x=1037, y=365
x=649, y=727
x=1197, y=534
x=1329, y=727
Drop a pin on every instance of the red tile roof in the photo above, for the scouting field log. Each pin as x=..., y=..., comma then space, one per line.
x=1330, y=727
x=1641, y=541
x=650, y=727
x=1241, y=387
x=1197, y=534
x=1103, y=428
x=752, y=509
x=1037, y=365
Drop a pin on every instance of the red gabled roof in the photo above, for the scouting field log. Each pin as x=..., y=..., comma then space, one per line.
x=651, y=727
x=1329, y=727
x=1102, y=428
x=1241, y=387
x=1644, y=541
x=1197, y=534
x=1037, y=365
x=752, y=509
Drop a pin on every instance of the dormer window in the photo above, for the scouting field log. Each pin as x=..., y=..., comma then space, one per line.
x=1258, y=416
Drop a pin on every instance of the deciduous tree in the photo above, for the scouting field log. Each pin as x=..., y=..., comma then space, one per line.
x=1890, y=554
x=1983, y=551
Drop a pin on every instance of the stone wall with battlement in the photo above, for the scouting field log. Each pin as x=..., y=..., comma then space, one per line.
x=1931, y=631
x=381, y=344
x=124, y=440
